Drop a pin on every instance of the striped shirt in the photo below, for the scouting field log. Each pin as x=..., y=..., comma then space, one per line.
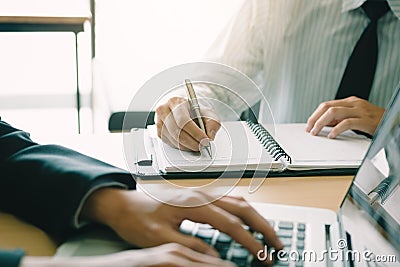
x=297, y=51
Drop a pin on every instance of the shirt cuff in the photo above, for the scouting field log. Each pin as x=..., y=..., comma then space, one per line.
x=78, y=223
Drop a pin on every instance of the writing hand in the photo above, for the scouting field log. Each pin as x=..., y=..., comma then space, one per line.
x=176, y=128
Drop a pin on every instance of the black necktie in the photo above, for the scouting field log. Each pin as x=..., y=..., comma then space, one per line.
x=360, y=70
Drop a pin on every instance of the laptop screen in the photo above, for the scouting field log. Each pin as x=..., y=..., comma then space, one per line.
x=375, y=189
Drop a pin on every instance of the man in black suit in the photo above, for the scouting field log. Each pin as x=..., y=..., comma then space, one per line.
x=59, y=190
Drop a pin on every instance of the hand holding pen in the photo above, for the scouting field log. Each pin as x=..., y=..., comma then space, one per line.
x=178, y=128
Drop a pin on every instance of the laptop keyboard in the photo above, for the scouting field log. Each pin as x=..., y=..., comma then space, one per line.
x=291, y=234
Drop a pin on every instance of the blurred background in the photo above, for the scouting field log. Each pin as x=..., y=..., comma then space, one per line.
x=134, y=40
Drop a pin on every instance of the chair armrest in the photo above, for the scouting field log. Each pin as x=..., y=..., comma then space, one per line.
x=124, y=121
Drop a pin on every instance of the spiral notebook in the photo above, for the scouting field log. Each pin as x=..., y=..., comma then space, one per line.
x=248, y=146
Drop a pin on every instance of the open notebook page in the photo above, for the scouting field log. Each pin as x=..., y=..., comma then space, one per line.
x=235, y=148
x=308, y=151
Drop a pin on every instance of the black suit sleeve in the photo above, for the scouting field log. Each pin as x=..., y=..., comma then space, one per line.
x=45, y=184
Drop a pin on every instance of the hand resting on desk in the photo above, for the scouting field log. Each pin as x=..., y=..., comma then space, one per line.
x=350, y=113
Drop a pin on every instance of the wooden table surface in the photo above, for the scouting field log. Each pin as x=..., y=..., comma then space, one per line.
x=321, y=192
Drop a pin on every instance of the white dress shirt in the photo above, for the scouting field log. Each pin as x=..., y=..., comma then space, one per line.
x=297, y=51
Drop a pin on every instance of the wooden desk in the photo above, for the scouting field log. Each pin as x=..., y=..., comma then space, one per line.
x=15, y=233
x=320, y=192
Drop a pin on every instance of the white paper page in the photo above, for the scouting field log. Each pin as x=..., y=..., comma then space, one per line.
x=307, y=151
x=234, y=148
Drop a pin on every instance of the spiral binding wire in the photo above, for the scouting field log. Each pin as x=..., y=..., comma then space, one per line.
x=268, y=141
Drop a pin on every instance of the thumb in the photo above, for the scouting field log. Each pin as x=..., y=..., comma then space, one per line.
x=211, y=122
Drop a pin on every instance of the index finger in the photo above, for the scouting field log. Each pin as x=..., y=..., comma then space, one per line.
x=241, y=208
x=211, y=122
x=335, y=114
x=227, y=223
x=322, y=108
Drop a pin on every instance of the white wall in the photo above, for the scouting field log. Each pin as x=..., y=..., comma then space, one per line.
x=137, y=39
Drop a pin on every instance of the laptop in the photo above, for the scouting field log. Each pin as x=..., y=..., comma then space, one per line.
x=364, y=232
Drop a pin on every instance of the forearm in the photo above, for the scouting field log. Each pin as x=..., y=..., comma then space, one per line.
x=104, y=206
x=47, y=184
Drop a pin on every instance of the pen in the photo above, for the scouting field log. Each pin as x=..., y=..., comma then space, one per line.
x=195, y=107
